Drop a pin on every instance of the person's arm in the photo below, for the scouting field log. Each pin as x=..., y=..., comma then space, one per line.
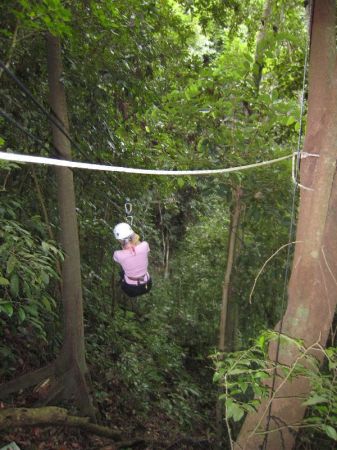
x=115, y=257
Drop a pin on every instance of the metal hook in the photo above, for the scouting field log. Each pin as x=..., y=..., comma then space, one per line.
x=129, y=219
x=301, y=155
x=128, y=208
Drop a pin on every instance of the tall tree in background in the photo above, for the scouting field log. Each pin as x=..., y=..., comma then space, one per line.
x=261, y=43
x=312, y=289
x=72, y=357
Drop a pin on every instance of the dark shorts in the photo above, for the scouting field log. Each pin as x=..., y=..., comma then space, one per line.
x=135, y=290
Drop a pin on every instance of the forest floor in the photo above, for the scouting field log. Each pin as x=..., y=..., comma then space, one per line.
x=156, y=430
x=157, y=433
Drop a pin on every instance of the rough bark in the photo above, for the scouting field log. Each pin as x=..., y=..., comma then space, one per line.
x=232, y=323
x=312, y=288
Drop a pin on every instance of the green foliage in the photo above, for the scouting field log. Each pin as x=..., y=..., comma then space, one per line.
x=44, y=15
x=141, y=358
x=27, y=268
x=242, y=377
x=322, y=402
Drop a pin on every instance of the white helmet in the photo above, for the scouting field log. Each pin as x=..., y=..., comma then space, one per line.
x=123, y=231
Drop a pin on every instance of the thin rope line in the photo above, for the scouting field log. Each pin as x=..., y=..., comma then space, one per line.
x=52, y=117
x=24, y=130
x=292, y=221
x=103, y=167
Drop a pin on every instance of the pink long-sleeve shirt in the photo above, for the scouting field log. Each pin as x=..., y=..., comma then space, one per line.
x=134, y=262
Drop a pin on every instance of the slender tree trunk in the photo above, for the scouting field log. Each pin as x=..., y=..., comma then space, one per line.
x=257, y=77
x=232, y=323
x=260, y=43
x=167, y=256
x=233, y=232
x=73, y=352
x=235, y=219
x=312, y=288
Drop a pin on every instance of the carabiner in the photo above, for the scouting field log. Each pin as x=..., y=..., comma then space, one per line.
x=128, y=208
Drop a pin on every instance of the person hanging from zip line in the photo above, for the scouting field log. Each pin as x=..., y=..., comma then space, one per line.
x=133, y=259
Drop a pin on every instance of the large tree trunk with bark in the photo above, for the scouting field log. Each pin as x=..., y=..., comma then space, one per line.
x=72, y=357
x=312, y=289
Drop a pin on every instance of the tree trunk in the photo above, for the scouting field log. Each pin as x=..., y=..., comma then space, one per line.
x=72, y=357
x=235, y=219
x=232, y=323
x=312, y=288
x=260, y=43
x=166, y=256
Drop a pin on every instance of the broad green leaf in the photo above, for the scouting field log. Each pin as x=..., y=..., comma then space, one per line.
x=261, y=341
x=330, y=431
x=234, y=411
x=31, y=309
x=180, y=182
x=45, y=246
x=314, y=400
x=7, y=308
x=291, y=120
x=4, y=281
x=11, y=263
x=46, y=303
x=45, y=277
x=14, y=287
x=22, y=315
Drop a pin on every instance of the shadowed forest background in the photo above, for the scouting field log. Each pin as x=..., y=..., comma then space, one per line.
x=174, y=85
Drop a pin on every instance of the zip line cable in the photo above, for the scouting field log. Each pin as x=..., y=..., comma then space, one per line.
x=54, y=119
x=20, y=158
x=10, y=119
x=292, y=221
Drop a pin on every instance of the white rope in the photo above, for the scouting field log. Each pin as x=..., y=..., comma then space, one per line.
x=19, y=158
x=301, y=155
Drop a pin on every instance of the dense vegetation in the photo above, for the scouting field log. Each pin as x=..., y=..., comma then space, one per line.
x=155, y=84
